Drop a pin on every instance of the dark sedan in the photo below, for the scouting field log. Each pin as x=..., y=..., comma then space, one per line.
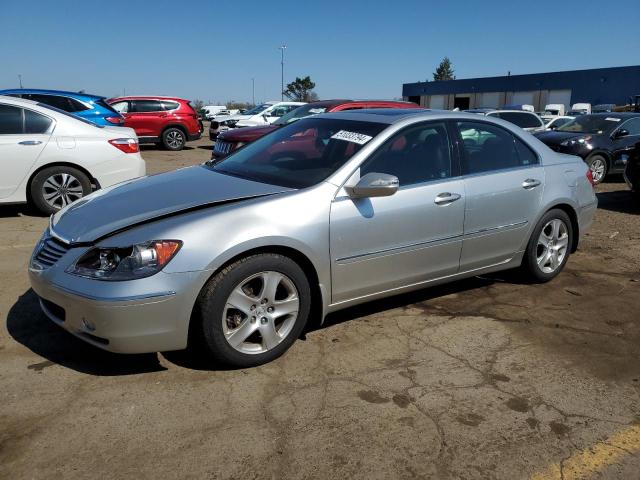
x=603, y=140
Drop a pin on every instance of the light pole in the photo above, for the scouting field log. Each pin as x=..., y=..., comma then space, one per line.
x=253, y=91
x=20, y=80
x=282, y=49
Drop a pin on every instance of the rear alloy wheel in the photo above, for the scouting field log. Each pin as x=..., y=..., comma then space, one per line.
x=549, y=246
x=56, y=187
x=253, y=310
x=173, y=139
x=598, y=166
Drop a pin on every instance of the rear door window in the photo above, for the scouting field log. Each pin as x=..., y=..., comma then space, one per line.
x=11, y=120
x=489, y=147
x=144, y=106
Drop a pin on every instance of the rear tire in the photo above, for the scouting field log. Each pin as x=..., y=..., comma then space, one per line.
x=54, y=188
x=173, y=139
x=549, y=246
x=598, y=166
x=252, y=311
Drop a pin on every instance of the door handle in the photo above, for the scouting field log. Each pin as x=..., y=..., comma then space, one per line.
x=30, y=142
x=530, y=183
x=446, y=198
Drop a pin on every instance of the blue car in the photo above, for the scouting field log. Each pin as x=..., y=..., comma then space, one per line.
x=90, y=107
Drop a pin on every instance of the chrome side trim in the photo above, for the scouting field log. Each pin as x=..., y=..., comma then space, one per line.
x=493, y=229
x=412, y=286
x=395, y=249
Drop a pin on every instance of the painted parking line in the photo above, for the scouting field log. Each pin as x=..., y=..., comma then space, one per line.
x=587, y=462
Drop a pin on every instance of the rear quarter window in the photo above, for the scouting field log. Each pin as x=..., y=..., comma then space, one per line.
x=171, y=105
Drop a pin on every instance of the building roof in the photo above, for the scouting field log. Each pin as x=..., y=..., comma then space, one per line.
x=598, y=85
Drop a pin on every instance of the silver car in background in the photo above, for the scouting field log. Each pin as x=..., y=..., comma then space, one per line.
x=324, y=213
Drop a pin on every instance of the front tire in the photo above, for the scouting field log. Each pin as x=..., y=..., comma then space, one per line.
x=173, y=139
x=54, y=188
x=549, y=246
x=252, y=311
x=598, y=166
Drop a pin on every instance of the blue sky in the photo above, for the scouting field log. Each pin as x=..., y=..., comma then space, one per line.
x=357, y=49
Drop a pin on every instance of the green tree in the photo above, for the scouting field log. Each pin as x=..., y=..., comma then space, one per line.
x=301, y=90
x=444, y=71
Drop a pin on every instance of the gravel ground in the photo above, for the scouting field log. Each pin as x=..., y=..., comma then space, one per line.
x=483, y=378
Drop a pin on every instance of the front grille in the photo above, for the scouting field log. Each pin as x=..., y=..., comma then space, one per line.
x=50, y=252
x=222, y=147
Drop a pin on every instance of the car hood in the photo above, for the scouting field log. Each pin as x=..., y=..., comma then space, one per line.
x=555, y=137
x=148, y=198
x=247, y=134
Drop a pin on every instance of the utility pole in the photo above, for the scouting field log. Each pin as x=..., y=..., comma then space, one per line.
x=253, y=91
x=20, y=80
x=282, y=49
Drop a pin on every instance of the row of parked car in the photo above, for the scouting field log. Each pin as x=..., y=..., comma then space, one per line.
x=169, y=121
x=67, y=144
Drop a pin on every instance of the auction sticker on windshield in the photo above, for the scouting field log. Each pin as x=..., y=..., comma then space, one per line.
x=354, y=137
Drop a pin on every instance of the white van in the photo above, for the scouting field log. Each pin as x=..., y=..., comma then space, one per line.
x=213, y=110
x=580, y=109
x=554, y=110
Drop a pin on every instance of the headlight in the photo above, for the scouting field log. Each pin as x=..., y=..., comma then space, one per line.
x=126, y=263
x=575, y=141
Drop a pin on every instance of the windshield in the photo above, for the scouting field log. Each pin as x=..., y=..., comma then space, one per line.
x=300, y=112
x=257, y=109
x=300, y=154
x=590, y=124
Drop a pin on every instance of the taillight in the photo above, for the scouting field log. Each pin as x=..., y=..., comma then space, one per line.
x=590, y=177
x=115, y=120
x=126, y=145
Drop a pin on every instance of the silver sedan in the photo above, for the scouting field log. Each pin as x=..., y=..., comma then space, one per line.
x=322, y=214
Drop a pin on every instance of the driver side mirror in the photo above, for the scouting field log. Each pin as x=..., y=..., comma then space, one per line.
x=621, y=133
x=374, y=185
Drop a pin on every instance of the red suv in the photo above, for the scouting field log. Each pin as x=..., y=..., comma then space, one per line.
x=231, y=140
x=168, y=120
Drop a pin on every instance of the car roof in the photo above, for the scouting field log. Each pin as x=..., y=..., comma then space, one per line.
x=391, y=115
x=511, y=111
x=62, y=93
x=147, y=97
x=16, y=100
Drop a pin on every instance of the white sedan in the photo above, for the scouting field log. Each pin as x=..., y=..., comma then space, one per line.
x=51, y=158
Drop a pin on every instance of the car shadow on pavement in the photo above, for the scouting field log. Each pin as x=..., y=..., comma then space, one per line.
x=19, y=210
x=418, y=297
x=621, y=201
x=29, y=326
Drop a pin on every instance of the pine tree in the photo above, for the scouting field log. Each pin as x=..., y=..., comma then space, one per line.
x=444, y=71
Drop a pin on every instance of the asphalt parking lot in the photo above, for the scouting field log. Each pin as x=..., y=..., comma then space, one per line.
x=484, y=378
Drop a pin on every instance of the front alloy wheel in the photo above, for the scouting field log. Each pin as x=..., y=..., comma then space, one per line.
x=252, y=310
x=260, y=312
